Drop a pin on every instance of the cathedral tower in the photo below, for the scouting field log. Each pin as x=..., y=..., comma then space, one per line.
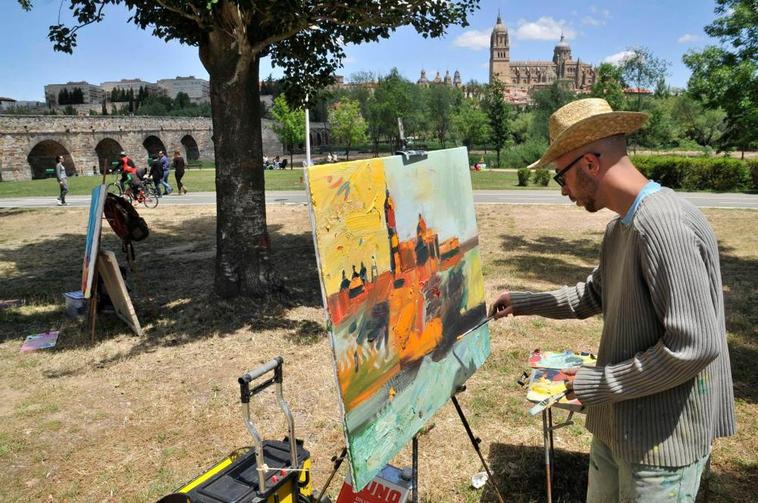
x=500, y=67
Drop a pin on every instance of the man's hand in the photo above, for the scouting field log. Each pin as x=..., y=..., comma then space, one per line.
x=569, y=382
x=502, y=306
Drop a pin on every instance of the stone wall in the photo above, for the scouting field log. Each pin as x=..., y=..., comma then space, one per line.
x=29, y=144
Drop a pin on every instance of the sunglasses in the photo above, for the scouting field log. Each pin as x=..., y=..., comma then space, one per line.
x=559, y=176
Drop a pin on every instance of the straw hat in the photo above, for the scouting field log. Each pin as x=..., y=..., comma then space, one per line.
x=582, y=122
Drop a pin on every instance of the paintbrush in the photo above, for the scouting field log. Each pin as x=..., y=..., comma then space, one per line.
x=547, y=402
x=478, y=325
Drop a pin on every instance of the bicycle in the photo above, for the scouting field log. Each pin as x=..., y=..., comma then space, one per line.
x=116, y=187
x=146, y=194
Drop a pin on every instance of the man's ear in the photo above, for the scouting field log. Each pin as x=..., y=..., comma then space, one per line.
x=594, y=165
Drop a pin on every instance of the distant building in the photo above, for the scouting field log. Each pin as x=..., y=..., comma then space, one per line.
x=133, y=85
x=455, y=81
x=7, y=103
x=198, y=90
x=90, y=92
x=522, y=77
x=30, y=106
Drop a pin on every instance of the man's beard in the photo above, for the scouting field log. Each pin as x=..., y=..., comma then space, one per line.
x=588, y=188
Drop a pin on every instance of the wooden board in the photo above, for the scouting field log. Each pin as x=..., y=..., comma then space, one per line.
x=107, y=266
x=92, y=243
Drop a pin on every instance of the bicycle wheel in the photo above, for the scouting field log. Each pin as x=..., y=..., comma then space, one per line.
x=149, y=198
x=114, y=188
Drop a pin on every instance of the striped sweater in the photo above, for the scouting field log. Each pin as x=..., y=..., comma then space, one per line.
x=662, y=388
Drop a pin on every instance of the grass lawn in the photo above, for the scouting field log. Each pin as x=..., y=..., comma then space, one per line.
x=130, y=418
x=204, y=180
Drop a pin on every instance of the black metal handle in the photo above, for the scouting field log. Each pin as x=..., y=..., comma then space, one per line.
x=248, y=377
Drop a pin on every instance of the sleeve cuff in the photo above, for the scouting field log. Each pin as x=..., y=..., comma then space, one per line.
x=589, y=386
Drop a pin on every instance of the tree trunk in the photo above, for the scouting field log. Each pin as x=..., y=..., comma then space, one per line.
x=242, y=242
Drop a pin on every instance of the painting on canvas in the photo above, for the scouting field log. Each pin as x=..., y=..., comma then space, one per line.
x=401, y=275
x=92, y=244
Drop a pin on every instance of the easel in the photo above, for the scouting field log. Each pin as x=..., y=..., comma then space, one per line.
x=547, y=438
x=114, y=279
x=475, y=441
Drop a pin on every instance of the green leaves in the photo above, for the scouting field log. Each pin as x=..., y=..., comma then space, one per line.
x=347, y=125
x=289, y=124
x=728, y=79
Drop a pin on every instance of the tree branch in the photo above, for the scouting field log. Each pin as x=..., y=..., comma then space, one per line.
x=192, y=17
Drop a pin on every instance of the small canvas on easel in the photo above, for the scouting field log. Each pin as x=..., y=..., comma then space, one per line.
x=398, y=254
x=107, y=266
x=92, y=244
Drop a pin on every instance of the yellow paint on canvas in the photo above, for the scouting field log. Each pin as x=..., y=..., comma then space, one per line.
x=348, y=199
x=475, y=280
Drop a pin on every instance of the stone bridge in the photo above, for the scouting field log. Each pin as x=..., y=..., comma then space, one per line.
x=89, y=144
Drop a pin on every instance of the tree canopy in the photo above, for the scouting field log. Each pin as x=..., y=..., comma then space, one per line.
x=306, y=39
x=346, y=124
x=726, y=76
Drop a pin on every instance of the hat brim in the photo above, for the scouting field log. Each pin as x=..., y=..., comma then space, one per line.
x=590, y=130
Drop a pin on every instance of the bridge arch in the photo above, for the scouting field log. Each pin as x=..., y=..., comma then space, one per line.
x=191, y=150
x=107, y=151
x=153, y=144
x=42, y=157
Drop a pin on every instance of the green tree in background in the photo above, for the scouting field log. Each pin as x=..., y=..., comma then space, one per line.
x=726, y=77
x=702, y=125
x=306, y=39
x=347, y=126
x=642, y=70
x=289, y=125
x=182, y=100
x=608, y=85
x=544, y=103
x=397, y=98
x=499, y=115
x=440, y=101
x=471, y=124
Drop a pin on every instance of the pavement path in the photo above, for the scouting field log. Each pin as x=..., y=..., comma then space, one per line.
x=700, y=199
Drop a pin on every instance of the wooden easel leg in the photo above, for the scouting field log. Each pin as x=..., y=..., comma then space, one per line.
x=93, y=305
x=475, y=443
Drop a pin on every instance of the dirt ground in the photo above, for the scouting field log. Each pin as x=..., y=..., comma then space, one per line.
x=129, y=418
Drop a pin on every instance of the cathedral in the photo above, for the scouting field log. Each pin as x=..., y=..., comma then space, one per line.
x=521, y=77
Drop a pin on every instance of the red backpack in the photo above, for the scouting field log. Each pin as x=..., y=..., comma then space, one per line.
x=124, y=219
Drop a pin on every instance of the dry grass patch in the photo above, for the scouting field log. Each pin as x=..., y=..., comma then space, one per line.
x=131, y=418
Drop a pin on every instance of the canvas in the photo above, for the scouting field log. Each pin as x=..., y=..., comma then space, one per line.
x=401, y=275
x=107, y=266
x=92, y=243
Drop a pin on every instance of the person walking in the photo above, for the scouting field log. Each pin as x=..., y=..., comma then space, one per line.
x=179, y=166
x=662, y=390
x=60, y=175
x=166, y=165
x=156, y=174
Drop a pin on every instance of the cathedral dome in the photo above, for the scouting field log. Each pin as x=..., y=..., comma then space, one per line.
x=499, y=26
x=562, y=44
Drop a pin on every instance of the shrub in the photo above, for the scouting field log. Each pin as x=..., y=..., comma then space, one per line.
x=522, y=155
x=523, y=176
x=722, y=174
x=541, y=177
x=752, y=166
x=695, y=173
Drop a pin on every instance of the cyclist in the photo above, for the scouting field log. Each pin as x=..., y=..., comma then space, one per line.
x=129, y=172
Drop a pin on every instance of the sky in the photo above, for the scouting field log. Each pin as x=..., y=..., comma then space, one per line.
x=597, y=31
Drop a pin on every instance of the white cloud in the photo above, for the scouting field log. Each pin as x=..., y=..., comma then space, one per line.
x=545, y=28
x=484, y=65
x=603, y=12
x=688, y=38
x=618, y=58
x=348, y=60
x=473, y=39
x=591, y=21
